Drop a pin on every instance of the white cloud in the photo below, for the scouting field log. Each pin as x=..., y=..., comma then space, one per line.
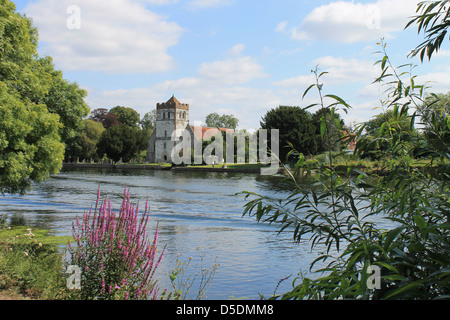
x=236, y=50
x=437, y=82
x=117, y=36
x=231, y=71
x=343, y=70
x=218, y=86
x=202, y=4
x=281, y=27
x=350, y=21
x=339, y=71
x=295, y=82
x=162, y=2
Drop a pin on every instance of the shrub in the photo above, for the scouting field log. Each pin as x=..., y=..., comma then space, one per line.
x=116, y=259
x=339, y=216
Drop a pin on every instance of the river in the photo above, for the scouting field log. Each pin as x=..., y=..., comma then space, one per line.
x=199, y=215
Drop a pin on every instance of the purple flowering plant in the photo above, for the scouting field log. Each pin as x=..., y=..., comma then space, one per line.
x=116, y=259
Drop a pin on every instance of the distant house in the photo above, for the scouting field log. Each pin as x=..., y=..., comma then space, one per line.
x=351, y=142
x=172, y=119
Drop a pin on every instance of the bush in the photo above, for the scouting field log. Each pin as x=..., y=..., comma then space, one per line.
x=339, y=215
x=116, y=260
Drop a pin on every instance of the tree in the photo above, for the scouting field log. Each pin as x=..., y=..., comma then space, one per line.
x=122, y=143
x=433, y=20
x=295, y=126
x=35, y=78
x=126, y=116
x=65, y=99
x=392, y=126
x=84, y=145
x=19, y=69
x=30, y=144
x=148, y=122
x=103, y=116
x=331, y=140
x=214, y=120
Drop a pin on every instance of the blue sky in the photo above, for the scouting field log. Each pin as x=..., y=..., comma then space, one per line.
x=241, y=57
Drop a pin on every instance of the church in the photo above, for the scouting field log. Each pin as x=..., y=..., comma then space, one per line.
x=172, y=119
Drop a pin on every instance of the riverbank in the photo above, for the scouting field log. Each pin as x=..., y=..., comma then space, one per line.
x=369, y=167
x=238, y=168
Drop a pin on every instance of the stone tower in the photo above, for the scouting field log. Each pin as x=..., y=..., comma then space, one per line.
x=172, y=118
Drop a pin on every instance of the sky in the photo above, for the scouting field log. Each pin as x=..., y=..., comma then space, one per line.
x=240, y=57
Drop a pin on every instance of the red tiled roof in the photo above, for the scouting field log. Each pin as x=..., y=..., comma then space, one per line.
x=173, y=100
x=206, y=132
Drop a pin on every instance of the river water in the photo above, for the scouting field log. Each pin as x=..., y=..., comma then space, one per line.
x=199, y=215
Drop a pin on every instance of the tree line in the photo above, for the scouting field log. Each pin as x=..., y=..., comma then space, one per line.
x=118, y=134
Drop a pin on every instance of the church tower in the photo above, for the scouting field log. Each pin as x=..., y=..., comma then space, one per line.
x=172, y=118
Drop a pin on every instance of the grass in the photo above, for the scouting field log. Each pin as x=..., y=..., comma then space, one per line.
x=30, y=263
x=231, y=166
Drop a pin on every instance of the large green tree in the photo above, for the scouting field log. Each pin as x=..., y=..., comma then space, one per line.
x=65, y=99
x=20, y=71
x=295, y=126
x=30, y=144
x=84, y=145
x=214, y=120
x=122, y=143
x=126, y=116
x=148, y=121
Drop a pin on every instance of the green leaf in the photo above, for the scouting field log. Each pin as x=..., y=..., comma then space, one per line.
x=323, y=127
x=383, y=62
x=306, y=91
x=405, y=288
x=390, y=236
x=387, y=266
x=339, y=100
x=420, y=222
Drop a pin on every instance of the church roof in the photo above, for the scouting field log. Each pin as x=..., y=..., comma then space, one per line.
x=172, y=103
x=207, y=133
x=173, y=100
